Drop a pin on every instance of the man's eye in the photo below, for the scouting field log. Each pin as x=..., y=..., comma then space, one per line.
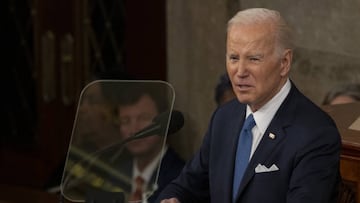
x=145, y=118
x=233, y=58
x=256, y=58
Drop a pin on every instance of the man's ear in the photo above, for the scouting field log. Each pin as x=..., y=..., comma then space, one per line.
x=286, y=62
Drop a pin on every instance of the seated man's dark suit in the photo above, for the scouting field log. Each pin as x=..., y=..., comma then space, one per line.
x=171, y=166
x=305, y=148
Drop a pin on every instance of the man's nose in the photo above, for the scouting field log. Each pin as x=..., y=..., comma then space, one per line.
x=135, y=127
x=242, y=69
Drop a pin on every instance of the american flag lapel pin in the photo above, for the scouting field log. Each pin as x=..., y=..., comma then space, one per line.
x=272, y=136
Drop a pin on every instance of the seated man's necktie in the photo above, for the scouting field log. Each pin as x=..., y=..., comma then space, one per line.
x=137, y=194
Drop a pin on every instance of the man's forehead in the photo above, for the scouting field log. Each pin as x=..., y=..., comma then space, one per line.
x=251, y=32
x=257, y=46
x=253, y=39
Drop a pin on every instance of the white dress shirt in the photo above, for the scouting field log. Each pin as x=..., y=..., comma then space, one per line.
x=265, y=114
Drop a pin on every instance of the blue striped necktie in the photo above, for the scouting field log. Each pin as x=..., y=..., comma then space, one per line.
x=243, y=153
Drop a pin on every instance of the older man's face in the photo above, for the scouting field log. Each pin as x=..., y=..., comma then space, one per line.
x=256, y=70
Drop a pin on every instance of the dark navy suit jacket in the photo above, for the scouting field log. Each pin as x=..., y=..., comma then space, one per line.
x=306, y=149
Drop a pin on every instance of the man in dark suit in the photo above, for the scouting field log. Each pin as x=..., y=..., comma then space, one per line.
x=171, y=165
x=290, y=153
x=136, y=107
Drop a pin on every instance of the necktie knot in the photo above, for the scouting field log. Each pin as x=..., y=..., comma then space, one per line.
x=249, y=122
x=137, y=194
x=139, y=182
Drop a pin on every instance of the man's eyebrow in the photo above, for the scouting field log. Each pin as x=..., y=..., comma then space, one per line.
x=256, y=55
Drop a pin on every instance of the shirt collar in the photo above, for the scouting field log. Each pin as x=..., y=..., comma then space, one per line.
x=149, y=170
x=265, y=114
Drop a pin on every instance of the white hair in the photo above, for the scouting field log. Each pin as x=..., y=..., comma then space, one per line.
x=283, y=32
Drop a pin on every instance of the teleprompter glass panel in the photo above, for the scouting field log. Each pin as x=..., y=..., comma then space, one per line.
x=119, y=134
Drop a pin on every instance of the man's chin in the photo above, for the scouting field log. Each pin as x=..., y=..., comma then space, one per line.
x=136, y=151
x=244, y=100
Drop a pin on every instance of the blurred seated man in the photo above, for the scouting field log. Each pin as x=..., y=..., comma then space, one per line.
x=343, y=94
x=137, y=106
